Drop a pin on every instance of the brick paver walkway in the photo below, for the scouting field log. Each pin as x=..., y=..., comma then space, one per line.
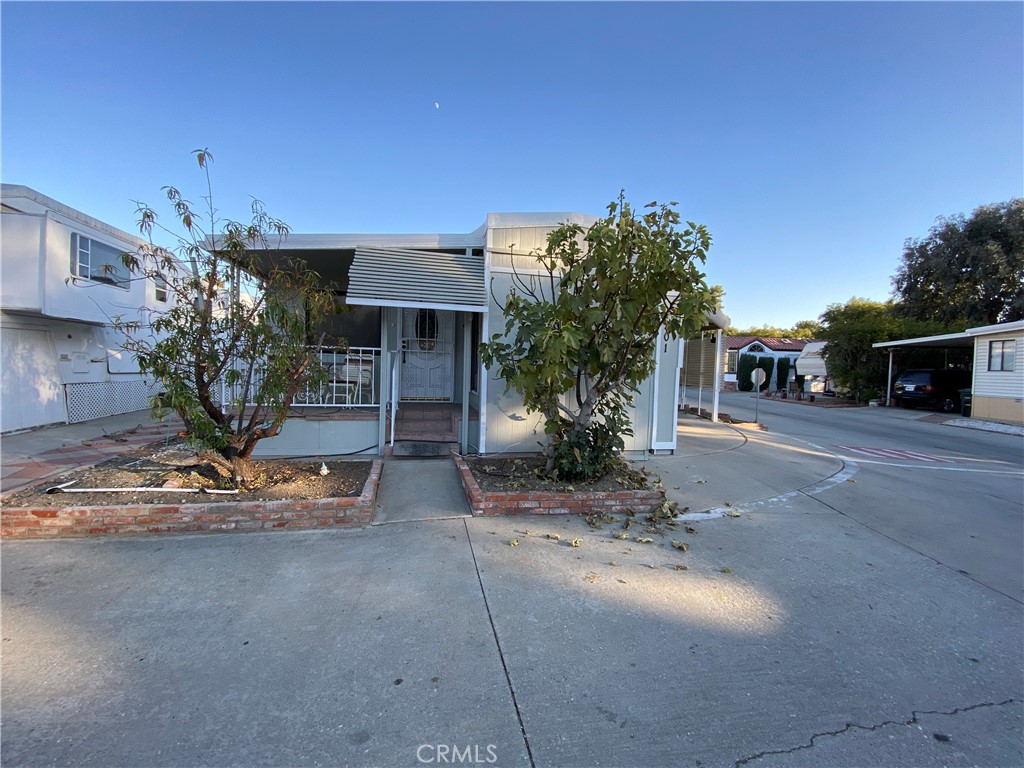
x=87, y=453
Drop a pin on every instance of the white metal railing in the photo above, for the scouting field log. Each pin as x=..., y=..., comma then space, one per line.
x=393, y=401
x=353, y=380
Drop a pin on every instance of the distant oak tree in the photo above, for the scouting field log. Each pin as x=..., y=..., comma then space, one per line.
x=967, y=271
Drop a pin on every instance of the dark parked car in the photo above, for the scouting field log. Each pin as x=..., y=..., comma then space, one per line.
x=934, y=387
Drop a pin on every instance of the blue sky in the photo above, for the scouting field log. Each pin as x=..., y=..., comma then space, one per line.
x=811, y=138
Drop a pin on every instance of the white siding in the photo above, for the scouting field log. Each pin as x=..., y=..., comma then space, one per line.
x=998, y=383
x=22, y=246
x=33, y=393
x=85, y=300
x=509, y=428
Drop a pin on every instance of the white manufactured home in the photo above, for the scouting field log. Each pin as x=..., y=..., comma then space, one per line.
x=407, y=368
x=61, y=359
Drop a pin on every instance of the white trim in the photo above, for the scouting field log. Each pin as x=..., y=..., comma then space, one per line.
x=467, y=363
x=654, y=396
x=934, y=341
x=1011, y=327
x=414, y=304
x=717, y=379
x=529, y=272
x=485, y=334
x=658, y=373
x=330, y=241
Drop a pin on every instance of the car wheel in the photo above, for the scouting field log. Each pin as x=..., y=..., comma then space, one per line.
x=950, y=404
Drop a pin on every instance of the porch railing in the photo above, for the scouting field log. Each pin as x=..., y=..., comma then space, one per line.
x=353, y=380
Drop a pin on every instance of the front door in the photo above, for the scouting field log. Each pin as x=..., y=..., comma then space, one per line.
x=428, y=354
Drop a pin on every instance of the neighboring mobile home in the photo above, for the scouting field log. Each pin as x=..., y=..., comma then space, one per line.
x=409, y=370
x=997, y=372
x=61, y=359
x=758, y=346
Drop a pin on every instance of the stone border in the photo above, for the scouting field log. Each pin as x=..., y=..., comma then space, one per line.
x=550, y=503
x=212, y=517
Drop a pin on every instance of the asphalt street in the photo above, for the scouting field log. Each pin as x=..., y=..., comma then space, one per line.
x=804, y=625
x=953, y=494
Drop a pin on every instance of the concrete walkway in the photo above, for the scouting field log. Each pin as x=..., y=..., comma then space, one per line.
x=419, y=489
x=789, y=636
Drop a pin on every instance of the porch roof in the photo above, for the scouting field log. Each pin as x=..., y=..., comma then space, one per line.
x=398, y=277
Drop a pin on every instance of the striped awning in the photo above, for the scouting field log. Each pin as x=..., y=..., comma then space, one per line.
x=393, y=277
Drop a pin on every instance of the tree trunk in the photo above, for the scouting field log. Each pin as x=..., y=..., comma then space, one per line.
x=242, y=473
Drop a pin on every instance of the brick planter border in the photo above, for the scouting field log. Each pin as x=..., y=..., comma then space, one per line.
x=206, y=517
x=550, y=503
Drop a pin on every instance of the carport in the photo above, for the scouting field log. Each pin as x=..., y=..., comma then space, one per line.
x=945, y=342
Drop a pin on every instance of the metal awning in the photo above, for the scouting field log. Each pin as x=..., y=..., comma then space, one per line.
x=394, y=277
x=947, y=340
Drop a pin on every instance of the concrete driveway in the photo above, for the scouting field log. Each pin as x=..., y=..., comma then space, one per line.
x=795, y=636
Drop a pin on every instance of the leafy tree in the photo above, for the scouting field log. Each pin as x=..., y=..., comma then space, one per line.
x=228, y=323
x=804, y=329
x=851, y=328
x=580, y=340
x=967, y=271
x=766, y=364
x=744, y=367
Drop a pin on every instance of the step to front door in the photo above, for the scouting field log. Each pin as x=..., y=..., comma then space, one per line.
x=422, y=449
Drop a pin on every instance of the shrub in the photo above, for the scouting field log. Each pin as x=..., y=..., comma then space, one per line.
x=782, y=375
x=744, y=367
x=766, y=364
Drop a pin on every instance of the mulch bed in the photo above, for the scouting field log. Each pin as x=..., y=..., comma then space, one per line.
x=176, y=466
x=521, y=473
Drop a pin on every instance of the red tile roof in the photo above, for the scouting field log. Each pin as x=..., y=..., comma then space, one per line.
x=775, y=345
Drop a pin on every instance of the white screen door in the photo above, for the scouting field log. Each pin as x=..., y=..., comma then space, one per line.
x=428, y=359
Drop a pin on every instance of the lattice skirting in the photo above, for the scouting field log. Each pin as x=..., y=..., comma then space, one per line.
x=106, y=398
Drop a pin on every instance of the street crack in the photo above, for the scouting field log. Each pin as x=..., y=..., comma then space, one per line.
x=915, y=714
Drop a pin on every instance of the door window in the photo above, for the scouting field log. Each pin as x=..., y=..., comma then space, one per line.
x=426, y=329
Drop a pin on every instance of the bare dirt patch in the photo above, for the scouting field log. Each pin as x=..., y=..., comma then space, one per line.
x=522, y=473
x=165, y=471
